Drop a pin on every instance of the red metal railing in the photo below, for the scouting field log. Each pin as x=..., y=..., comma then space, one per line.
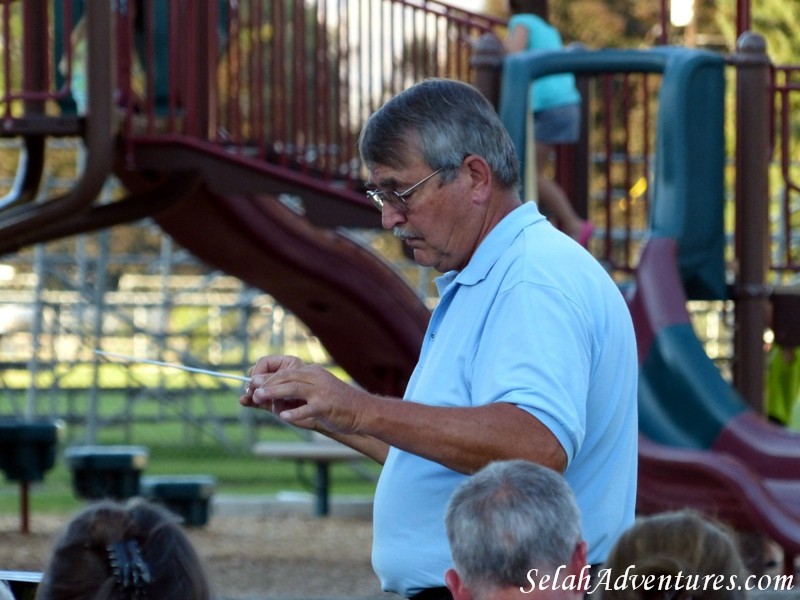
x=291, y=83
x=288, y=82
x=786, y=122
x=621, y=145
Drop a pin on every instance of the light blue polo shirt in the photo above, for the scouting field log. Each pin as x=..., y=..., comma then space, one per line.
x=533, y=320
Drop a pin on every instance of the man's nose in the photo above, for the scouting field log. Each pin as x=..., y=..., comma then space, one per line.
x=390, y=216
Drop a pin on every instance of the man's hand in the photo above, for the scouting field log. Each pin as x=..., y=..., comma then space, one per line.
x=265, y=367
x=306, y=396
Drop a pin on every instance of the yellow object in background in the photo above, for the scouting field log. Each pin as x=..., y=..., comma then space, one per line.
x=783, y=386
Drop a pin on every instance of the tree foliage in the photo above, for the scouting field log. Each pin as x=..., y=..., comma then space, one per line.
x=637, y=23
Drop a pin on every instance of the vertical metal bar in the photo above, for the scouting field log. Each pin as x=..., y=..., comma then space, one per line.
x=322, y=488
x=346, y=141
x=783, y=89
x=210, y=85
x=66, y=48
x=281, y=84
x=364, y=56
x=9, y=44
x=274, y=90
x=572, y=161
x=322, y=91
x=189, y=52
x=24, y=506
x=786, y=213
x=235, y=74
x=34, y=56
x=36, y=332
x=259, y=99
x=124, y=60
x=149, y=65
x=385, y=46
x=99, y=301
x=646, y=140
x=608, y=151
x=665, y=14
x=299, y=101
x=627, y=167
x=752, y=218
x=206, y=59
x=175, y=79
x=743, y=17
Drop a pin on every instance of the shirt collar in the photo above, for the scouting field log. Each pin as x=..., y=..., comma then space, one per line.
x=493, y=245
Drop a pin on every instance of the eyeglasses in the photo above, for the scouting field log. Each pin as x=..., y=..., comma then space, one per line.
x=397, y=199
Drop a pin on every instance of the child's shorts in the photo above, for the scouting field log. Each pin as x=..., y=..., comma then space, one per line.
x=559, y=125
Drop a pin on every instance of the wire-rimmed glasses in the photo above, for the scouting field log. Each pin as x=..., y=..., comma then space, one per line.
x=396, y=199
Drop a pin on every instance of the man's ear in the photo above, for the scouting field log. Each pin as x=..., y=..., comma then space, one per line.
x=480, y=176
x=456, y=585
x=578, y=563
x=579, y=556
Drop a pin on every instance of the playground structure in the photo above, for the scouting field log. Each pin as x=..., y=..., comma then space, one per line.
x=250, y=164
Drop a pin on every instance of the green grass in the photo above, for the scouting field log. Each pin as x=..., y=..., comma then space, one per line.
x=217, y=446
x=236, y=473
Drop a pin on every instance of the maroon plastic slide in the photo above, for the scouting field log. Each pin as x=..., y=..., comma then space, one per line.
x=749, y=476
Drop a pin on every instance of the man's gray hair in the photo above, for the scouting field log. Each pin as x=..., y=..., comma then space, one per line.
x=508, y=518
x=446, y=120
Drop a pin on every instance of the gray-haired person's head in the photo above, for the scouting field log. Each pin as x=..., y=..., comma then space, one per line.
x=508, y=518
x=446, y=120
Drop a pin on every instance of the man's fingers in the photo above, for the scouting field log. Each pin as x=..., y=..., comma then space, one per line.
x=277, y=390
x=272, y=364
x=297, y=414
x=280, y=405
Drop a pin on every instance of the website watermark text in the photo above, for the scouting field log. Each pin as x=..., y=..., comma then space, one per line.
x=606, y=580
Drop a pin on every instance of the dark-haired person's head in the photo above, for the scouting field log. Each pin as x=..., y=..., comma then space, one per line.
x=124, y=551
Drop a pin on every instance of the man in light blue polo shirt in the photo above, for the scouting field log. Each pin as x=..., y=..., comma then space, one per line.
x=530, y=353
